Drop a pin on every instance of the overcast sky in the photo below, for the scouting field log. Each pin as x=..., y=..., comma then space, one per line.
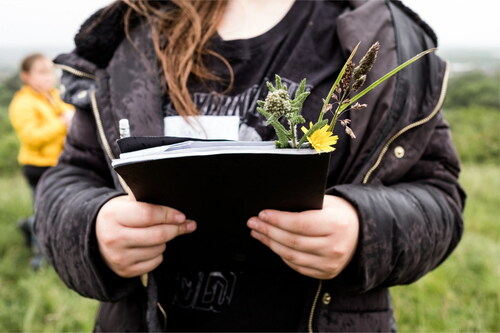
x=53, y=23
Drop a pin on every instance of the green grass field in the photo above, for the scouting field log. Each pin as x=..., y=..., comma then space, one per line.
x=462, y=295
x=32, y=301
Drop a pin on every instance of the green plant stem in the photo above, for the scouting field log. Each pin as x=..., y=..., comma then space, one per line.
x=336, y=116
x=385, y=77
x=293, y=128
x=337, y=113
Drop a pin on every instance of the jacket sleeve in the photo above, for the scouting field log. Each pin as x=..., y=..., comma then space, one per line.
x=68, y=200
x=410, y=227
x=31, y=131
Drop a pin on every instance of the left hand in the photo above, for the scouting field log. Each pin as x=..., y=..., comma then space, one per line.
x=315, y=243
x=66, y=117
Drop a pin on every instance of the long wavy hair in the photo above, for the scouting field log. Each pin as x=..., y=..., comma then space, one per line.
x=181, y=30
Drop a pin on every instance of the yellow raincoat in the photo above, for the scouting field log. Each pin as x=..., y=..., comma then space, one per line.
x=37, y=120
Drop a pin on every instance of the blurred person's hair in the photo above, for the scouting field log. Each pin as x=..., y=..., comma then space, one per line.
x=29, y=60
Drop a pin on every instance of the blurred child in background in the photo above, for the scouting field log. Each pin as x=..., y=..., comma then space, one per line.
x=41, y=120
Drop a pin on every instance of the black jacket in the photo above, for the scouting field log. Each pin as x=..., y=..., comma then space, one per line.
x=401, y=172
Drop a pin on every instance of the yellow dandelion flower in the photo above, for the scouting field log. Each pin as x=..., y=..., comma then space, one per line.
x=322, y=139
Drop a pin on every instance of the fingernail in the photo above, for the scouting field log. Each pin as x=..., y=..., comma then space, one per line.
x=191, y=226
x=179, y=217
x=252, y=223
x=263, y=215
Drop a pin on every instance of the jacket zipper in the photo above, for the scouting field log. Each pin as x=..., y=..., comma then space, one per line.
x=76, y=72
x=412, y=125
x=97, y=116
x=377, y=164
x=313, y=307
x=100, y=128
x=107, y=147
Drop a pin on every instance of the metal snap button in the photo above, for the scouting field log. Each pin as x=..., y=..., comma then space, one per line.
x=399, y=152
x=82, y=94
x=327, y=298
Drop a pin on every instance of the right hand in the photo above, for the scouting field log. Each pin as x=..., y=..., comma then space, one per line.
x=131, y=235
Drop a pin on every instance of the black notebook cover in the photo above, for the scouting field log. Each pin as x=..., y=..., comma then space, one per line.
x=221, y=192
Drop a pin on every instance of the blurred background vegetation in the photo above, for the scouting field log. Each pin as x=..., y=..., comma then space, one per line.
x=463, y=294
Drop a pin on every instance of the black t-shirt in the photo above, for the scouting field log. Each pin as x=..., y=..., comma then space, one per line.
x=303, y=44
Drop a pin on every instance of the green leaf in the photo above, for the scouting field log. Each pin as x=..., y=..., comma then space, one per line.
x=282, y=133
x=270, y=87
x=263, y=112
x=302, y=88
x=299, y=99
x=271, y=119
x=385, y=77
x=278, y=81
x=297, y=119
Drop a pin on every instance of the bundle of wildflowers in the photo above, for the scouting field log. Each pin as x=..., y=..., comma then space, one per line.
x=345, y=93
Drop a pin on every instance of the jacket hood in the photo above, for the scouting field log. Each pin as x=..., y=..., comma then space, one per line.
x=100, y=34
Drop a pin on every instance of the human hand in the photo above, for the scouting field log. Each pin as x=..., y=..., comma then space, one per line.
x=315, y=243
x=131, y=235
x=66, y=118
